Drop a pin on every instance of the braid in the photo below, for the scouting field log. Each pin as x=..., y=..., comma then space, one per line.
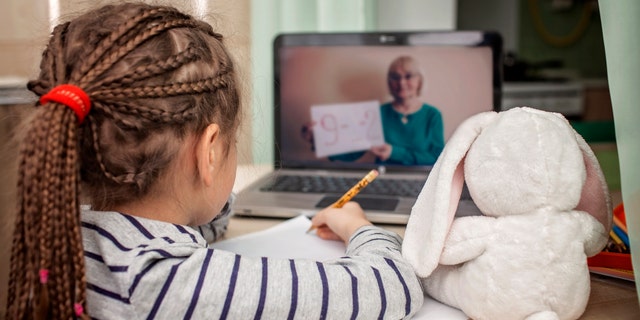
x=176, y=89
x=153, y=69
x=143, y=114
x=119, y=179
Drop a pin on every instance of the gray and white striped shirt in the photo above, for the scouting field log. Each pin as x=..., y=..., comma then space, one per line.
x=143, y=269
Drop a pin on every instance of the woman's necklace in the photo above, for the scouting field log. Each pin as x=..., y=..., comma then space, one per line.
x=406, y=111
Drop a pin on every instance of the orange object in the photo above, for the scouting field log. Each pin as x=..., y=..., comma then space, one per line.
x=618, y=212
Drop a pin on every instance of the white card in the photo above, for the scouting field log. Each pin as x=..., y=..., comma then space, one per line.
x=346, y=127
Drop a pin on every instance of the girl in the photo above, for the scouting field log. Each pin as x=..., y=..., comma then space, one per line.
x=138, y=113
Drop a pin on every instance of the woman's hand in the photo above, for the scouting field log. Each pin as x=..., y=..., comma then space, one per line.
x=382, y=151
x=339, y=223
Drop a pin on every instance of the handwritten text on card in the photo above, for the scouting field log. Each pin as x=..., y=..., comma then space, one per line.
x=346, y=127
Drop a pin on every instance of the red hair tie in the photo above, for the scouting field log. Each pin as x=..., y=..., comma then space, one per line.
x=77, y=307
x=44, y=276
x=72, y=97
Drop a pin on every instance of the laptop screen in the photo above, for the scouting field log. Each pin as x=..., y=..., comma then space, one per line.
x=365, y=100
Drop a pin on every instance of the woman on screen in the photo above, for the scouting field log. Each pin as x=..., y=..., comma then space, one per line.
x=413, y=130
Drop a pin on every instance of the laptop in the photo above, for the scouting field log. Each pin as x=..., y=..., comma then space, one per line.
x=330, y=92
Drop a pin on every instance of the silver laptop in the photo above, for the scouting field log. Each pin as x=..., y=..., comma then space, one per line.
x=333, y=94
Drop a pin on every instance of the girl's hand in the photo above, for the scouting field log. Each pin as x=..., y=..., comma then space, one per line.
x=339, y=223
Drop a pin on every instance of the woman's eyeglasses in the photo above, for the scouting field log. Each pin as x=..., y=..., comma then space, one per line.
x=398, y=76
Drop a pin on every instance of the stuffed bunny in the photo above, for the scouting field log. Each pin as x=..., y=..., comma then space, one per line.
x=545, y=209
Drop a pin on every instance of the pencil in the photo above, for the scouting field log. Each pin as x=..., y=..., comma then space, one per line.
x=617, y=239
x=352, y=192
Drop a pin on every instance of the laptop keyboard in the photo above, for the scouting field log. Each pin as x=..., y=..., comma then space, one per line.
x=340, y=185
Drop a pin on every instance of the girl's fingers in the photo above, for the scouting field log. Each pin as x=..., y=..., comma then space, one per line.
x=326, y=234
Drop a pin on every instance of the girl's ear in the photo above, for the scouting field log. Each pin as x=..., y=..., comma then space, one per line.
x=206, y=153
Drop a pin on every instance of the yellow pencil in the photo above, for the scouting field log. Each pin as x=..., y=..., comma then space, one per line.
x=352, y=192
x=617, y=239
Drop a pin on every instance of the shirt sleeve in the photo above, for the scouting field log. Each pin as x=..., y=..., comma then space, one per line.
x=371, y=281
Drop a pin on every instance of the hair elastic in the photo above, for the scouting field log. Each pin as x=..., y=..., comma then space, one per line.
x=77, y=307
x=44, y=276
x=70, y=96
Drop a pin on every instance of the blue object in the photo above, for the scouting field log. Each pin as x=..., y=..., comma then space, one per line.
x=622, y=235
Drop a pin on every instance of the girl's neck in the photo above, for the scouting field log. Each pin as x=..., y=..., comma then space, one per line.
x=155, y=210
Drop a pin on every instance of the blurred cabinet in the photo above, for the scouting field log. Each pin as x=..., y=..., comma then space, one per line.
x=597, y=102
x=584, y=100
x=562, y=97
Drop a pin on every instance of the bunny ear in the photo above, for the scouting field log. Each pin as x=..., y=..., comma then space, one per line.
x=595, y=198
x=435, y=207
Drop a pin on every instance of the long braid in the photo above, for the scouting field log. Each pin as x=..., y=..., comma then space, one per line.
x=175, y=89
x=47, y=240
x=49, y=216
x=21, y=279
x=29, y=230
x=18, y=268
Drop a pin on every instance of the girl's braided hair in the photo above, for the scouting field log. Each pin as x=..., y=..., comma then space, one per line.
x=153, y=75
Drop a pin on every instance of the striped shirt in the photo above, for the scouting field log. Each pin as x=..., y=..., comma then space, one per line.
x=145, y=269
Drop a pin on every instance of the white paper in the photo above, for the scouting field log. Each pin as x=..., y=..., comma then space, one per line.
x=289, y=240
x=346, y=127
x=286, y=240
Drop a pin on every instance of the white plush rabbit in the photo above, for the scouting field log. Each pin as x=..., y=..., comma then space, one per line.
x=545, y=206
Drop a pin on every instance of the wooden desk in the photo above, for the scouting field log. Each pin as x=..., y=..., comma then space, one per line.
x=610, y=298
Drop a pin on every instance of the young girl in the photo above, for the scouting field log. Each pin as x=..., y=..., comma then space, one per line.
x=138, y=113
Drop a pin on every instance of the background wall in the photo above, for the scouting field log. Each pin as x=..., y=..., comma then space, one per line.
x=23, y=30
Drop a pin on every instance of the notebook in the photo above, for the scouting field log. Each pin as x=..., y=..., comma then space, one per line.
x=333, y=94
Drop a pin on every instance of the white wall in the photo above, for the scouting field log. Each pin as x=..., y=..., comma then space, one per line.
x=417, y=14
x=493, y=15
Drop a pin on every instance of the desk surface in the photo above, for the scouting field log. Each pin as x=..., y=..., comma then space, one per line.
x=609, y=299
